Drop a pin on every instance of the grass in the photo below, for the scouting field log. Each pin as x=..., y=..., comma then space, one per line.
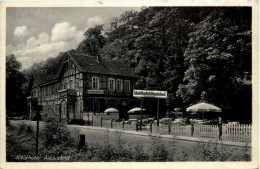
x=57, y=141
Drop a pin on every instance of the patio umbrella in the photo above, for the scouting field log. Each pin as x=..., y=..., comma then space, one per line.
x=135, y=110
x=203, y=107
x=111, y=110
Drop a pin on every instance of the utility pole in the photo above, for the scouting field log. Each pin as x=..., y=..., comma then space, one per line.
x=141, y=122
x=37, y=136
x=158, y=104
x=37, y=118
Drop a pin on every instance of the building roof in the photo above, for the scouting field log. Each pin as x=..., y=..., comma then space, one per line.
x=90, y=64
x=87, y=64
x=41, y=78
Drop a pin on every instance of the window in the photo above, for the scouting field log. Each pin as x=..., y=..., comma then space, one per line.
x=95, y=83
x=77, y=84
x=49, y=88
x=64, y=85
x=71, y=84
x=52, y=89
x=119, y=85
x=111, y=84
x=127, y=85
x=57, y=109
x=56, y=88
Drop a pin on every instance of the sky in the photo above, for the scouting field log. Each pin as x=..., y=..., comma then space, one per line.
x=36, y=34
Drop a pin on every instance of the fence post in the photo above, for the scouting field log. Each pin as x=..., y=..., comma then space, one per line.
x=169, y=128
x=220, y=131
x=192, y=129
x=112, y=123
x=92, y=120
x=82, y=142
x=101, y=121
x=151, y=127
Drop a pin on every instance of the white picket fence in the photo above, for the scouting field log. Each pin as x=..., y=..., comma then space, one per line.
x=162, y=129
x=96, y=121
x=180, y=130
x=117, y=125
x=228, y=132
x=237, y=132
x=106, y=123
x=206, y=131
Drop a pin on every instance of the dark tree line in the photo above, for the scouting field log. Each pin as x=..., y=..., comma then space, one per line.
x=196, y=54
x=15, y=87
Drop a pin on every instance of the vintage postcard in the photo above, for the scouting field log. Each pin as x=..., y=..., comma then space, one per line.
x=100, y=84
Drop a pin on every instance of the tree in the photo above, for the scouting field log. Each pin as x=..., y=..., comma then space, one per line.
x=219, y=60
x=15, y=91
x=153, y=42
x=93, y=42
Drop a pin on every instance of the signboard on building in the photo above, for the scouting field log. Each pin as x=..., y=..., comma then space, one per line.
x=95, y=91
x=150, y=93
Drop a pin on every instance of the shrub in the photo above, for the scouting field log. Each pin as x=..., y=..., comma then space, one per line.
x=165, y=121
x=158, y=150
x=55, y=133
x=22, y=127
x=18, y=143
x=123, y=153
x=218, y=152
x=148, y=121
x=138, y=153
x=29, y=129
x=207, y=151
x=172, y=150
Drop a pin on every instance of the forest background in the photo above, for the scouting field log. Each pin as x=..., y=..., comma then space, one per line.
x=195, y=53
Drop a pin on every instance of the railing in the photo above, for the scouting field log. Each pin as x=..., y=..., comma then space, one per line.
x=236, y=132
x=206, y=131
x=117, y=125
x=97, y=121
x=129, y=127
x=181, y=130
x=162, y=129
x=106, y=123
x=225, y=132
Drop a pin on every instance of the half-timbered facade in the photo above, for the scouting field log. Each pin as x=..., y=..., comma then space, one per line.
x=83, y=83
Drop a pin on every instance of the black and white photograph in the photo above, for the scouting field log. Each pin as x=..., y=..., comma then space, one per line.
x=129, y=84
